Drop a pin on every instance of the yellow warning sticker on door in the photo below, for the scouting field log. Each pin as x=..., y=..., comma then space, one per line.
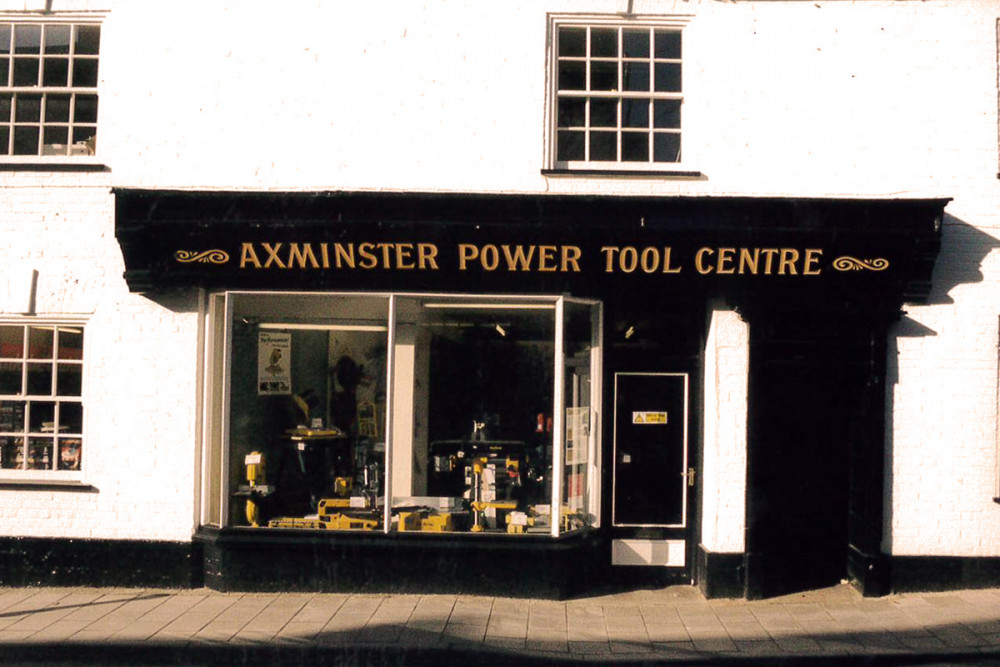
x=649, y=417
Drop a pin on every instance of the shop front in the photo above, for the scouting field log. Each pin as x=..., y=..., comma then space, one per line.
x=504, y=392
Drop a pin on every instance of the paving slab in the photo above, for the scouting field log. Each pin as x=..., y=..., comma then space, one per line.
x=674, y=625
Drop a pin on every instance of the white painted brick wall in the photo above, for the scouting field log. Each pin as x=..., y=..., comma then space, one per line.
x=882, y=98
x=140, y=373
x=724, y=465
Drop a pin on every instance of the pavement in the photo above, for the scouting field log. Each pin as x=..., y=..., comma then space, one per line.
x=672, y=625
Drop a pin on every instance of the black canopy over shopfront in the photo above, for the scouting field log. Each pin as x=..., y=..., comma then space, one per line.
x=819, y=281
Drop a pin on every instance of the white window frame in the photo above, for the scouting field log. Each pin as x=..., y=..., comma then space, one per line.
x=72, y=20
x=14, y=475
x=551, y=161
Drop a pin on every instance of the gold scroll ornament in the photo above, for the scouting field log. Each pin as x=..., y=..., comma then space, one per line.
x=847, y=263
x=205, y=256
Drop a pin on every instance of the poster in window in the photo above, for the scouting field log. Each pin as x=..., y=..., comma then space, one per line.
x=577, y=435
x=274, y=359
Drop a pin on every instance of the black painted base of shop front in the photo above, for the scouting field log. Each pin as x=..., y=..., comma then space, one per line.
x=37, y=561
x=289, y=560
x=942, y=573
x=868, y=572
x=720, y=575
x=247, y=560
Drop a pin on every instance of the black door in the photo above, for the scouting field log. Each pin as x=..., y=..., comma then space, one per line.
x=804, y=389
x=650, y=449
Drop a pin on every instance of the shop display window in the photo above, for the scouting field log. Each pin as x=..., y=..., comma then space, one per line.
x=407, y=413
x=41, y=400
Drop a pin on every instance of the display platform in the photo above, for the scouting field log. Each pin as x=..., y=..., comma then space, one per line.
x=261, y=559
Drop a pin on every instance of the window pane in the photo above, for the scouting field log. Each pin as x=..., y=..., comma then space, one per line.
x=5, y=32
x=666, y=147
x=42, y=416
x=667, y=114
x=70, y=418
x=572, y=112
x=668, y=44
x=39, y=453
x=604, y=42
x=57, y=108
x=26, y=71
x=11, y=342
x=572, y=76
x=603, y=113
x=11, y=453
x=603, y=76
x=70, y=454
x=636, y=76
x=86, y=109
x=635, y=113
x=635, y=147
x=55, y=72
x=26, y=141
x=570, y=146
x=29, y=109
x=40, y=343
x=10, y=377
x=4, y=140
x=573, y=42
x=12, y=416
x=84, y=73
x=88, y=39
x=4, y=71
x=603, y=146
x=57, y=39
x=54, y=140
x=40, y=379
x=6, y=104
x=668, y=77
x=489, y=430
x=69, y=379
x=636, y=44
x=70, y=343
x=27, y=38
x=85, y=138
x=338, y=387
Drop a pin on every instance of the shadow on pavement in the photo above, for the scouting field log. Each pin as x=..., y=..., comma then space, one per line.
x=338, y=650
x=95, y=603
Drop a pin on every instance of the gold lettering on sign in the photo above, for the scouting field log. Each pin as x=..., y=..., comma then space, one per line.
x=248, y=256
x=699, y=261
x=369, y=260
x=626, y=259
x=758, y=261
x=302, y=255
x=570, y=258
x=427, y=256
x=272, y=255
x=403, y=256
x=493, y=258
x=813, y=256
x=542, y=258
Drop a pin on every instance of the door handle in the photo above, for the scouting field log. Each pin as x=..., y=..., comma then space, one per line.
x=689, y=475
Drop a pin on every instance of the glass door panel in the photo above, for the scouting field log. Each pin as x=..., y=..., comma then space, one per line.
x=581, y=398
